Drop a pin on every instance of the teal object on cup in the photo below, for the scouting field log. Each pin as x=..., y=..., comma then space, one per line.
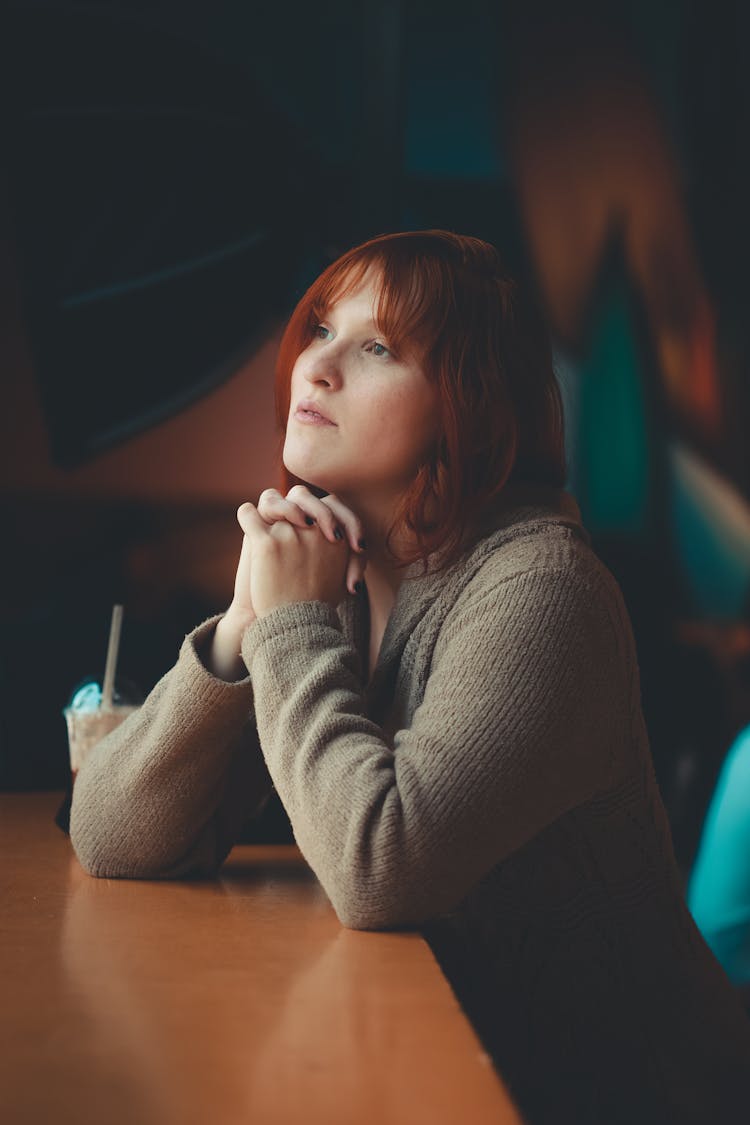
x=89, y=722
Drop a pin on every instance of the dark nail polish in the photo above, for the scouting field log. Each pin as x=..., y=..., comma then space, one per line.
x=359, y=585
x=309, y=521
x=338, y=533
x=362, y=544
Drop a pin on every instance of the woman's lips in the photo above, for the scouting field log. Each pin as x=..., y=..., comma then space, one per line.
x=312, y=418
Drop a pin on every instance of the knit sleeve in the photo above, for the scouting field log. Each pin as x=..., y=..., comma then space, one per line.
x=524, y=710
x=166, y=793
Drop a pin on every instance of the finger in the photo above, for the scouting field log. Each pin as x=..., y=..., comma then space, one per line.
x=273, y=507
x=250, y=521
x=348, y=519
x=355, y=572
x=330, y=514
x=263, y=536
x=317, y=512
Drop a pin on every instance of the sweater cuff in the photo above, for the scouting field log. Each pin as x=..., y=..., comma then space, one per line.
x=314, y=618
x=282, y=619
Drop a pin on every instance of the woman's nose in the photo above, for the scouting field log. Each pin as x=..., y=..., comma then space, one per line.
x=324, y=369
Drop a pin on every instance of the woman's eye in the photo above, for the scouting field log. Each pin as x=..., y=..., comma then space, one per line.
x=318, y=328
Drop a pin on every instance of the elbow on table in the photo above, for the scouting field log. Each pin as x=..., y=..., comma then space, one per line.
x=360, y=911
x=104, y=844
x=390, y=896
x=96, y=859
x=101, y=857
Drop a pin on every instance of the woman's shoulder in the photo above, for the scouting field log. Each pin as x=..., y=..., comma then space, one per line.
x=547, y=555
x=548, y=544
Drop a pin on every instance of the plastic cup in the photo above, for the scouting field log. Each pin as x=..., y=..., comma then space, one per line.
x=88, y=722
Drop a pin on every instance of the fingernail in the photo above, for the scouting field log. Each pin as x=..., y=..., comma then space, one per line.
x=309, y=521
x=362, y=544
x=359, y=585
x=338, y=533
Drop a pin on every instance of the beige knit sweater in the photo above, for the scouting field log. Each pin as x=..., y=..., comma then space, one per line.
x=492, y=786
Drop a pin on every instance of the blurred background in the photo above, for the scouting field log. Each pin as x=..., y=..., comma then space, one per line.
x=177, y=174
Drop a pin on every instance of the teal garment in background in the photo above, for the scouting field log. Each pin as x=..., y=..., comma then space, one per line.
x=711, y=525
x=718, y=893
x=635, y=480
x=607, y=436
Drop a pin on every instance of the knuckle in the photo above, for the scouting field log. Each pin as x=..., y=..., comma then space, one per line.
x=297, y=491
x=269, y=544
x=242, y=513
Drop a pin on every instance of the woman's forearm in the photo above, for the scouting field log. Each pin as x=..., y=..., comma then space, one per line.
x=222, y=656
x=164, y=793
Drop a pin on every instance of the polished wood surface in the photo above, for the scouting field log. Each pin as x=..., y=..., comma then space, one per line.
x=239, y=999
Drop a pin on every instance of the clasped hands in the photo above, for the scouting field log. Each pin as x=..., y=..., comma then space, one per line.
x=296, y=548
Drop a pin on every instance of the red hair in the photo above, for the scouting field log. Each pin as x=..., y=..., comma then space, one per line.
x=483, y=345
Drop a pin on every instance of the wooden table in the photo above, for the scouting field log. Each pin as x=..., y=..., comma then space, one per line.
x=239, y=999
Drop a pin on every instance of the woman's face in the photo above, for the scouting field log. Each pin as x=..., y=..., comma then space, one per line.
x=384, y=411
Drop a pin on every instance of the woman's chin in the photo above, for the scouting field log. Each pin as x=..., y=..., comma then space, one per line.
x=306, y=469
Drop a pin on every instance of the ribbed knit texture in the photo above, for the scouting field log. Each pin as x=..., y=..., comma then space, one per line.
x=492, y=785
x=167, y=791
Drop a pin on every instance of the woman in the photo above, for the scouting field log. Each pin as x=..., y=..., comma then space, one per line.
x=427, y=660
